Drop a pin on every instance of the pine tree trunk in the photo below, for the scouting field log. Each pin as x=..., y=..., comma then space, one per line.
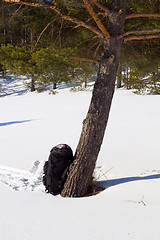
x=4, y=24
x=119, y=77
x=33, y=84
x=127, y=76
x=85, y=83
x=54, y=86
x=81, y=171
x=119, y=83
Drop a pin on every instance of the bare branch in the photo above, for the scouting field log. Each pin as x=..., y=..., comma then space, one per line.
x=141, y=37
x=95, y=53
x=106, y=10
x=137, y=15
x=141, y=32
x=15, y=13
x=43, y=32
x=96, y=19
x=83, y=24
x=30, y=3
x=53, y=7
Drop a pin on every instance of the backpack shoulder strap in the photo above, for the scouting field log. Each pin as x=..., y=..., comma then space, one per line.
x=63, y=177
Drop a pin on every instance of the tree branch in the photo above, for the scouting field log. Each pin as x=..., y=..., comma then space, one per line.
x=137, y=15
x=66, y=17
x=96, y=19
x=141, y=37
x=106, y=10
x=43, y=32
x=30, y=4
x=83, y=24
x=14, y=13
x=141, y=32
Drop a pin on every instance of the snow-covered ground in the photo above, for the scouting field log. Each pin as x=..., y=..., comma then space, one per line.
x=128, y=167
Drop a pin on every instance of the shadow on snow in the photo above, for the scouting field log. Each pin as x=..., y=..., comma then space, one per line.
x=110, y=183
x=12, y=85
x=13, y=122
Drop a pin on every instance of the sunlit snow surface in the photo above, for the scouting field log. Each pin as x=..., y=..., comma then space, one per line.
x=128, y=166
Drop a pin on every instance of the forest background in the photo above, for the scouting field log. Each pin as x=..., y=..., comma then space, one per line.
x=37, y=43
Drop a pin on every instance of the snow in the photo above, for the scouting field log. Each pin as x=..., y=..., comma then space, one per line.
x=128, y=167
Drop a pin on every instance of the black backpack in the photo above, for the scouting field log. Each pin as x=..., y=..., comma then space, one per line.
x=56, y=168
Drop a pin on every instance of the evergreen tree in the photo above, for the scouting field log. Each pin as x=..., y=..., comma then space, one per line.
x=107, y=21
x=44, y=66
x=142, y=66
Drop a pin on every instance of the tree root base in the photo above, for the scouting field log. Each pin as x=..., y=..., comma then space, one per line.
x=94, y=189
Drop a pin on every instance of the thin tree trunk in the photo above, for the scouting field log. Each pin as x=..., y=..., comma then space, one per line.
x=85, y=82
x=119, y=83
x=81, y=171
x=33, y=84
x=54, y=86
x=4, y=24
x=127, y=76
x=119, y=77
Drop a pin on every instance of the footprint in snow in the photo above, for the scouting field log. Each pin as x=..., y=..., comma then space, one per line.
x=21, y=180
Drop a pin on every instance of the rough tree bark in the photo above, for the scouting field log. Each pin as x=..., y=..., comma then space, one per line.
x=33, y=84
x=94, y=125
